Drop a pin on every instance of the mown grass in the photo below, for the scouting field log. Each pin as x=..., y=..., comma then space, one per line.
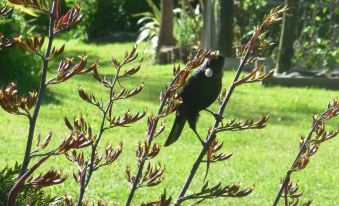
x=260, y=157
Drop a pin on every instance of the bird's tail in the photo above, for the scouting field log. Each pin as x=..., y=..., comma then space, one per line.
x=177, y=128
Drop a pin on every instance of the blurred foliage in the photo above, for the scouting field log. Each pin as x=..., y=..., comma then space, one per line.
x=95, y=24
x=187, y=26
x=29, y=19
x=30, y=196
x=316, y=47
x=317, y=43
x=248, y=13
x=25, y=71
x=149, y=23
x=104, y=17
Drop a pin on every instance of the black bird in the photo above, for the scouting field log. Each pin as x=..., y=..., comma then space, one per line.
x=201, y=90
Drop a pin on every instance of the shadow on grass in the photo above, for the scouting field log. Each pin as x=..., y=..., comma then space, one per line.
x=274, y=117
x=152, y=88
x=278, y=116
x=50, y=97
x=74, y=53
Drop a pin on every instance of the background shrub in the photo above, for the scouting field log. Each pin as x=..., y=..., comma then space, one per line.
x=27, y=196
x=187, y=26
x=317, y=43
x=16, y=64
x=104, y=17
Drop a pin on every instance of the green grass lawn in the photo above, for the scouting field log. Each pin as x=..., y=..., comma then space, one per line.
x=260, y=157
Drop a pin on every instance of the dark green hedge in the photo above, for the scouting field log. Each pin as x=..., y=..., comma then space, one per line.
x=16, y=64
x=103, y=17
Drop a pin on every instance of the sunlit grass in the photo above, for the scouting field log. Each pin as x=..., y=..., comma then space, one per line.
x=260, y=157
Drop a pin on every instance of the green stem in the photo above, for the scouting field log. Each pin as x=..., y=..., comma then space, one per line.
x=94, y=147
x=42, y=87
x=301, y=151
x=149, y=141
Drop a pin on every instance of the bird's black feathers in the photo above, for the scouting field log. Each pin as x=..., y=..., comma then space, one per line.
x=177, y=128
x=201, y=90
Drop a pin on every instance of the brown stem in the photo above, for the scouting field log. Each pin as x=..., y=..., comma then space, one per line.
x=210, y=136
x=16, y=188
x=285, y=196
x=94, y=147
x=41, y=155
x=301, y=151
x=41, y=91
x=82, y=184
x=149, y=141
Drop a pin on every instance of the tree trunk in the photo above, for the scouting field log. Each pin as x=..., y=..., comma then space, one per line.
x=208, y=40
x=166, y=25
x=225, y=27
x=288, y=36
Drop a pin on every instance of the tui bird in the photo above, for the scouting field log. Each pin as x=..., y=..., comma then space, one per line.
x=200, y=91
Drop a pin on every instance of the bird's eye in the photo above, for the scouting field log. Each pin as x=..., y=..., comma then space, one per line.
x=208, y=72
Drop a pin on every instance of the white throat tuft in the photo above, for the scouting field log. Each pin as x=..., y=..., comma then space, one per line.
x=208, y=72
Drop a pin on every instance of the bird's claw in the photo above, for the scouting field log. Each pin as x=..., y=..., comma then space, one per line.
x=216, y=116
x=203, y=142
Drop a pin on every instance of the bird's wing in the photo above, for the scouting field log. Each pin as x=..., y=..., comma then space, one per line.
x=177, y=128
x=192, y=82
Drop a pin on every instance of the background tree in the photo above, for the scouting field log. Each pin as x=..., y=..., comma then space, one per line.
x=218, y=26
x=317, y=44
x=166, y=24
x=225, y=27
x=208, y=30
x=288, y=36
